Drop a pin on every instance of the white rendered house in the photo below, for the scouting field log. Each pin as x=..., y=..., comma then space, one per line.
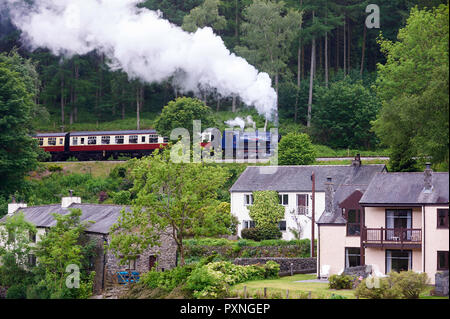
x=294, y=186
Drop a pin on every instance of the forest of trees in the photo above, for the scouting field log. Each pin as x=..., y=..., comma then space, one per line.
x=322, y=58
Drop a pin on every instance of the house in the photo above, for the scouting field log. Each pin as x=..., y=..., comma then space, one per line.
x=294, y=186
x=106, y=265
x=400, y=222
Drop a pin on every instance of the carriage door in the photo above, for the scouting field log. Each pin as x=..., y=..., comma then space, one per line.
x=151, y=262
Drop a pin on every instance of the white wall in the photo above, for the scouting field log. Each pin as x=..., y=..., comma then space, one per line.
x=241, y=212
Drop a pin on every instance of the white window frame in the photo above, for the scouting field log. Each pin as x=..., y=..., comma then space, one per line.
x=250, y=200
x=281, y=199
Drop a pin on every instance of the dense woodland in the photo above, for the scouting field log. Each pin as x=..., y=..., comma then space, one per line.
x=331, y=34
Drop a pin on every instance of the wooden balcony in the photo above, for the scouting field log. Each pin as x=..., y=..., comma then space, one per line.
x=392, y=237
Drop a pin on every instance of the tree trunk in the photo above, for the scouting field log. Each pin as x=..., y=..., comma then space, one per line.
x=345, y=49
x=311, y=81
x=75, y=99
x=218, y=104
x=233, y=104
x=349, y=66
x=122, y=102
x=299, y=55
x=62, y=97
x=138, y=107
x=236, y=21
x=326, y=59
x=363, y=50
x=336, y=66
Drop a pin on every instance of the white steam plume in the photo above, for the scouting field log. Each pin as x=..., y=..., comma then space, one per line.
x=144, y=45
x=236, y=122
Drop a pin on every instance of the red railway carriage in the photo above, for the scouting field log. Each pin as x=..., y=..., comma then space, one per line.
x=99, y=145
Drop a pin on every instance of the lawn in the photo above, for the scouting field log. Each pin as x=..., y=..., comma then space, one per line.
x=301, y=289
x=296, y=289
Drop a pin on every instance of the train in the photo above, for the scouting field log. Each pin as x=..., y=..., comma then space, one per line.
x=102, y=145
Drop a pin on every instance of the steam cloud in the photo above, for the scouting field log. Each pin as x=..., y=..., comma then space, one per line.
x=144, y=45
x=238, y=121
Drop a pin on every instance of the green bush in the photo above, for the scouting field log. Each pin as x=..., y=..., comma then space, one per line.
x=409, y=283
x=167, y=280
x=340, y=282
x=404, y=285
x=55, y=168
x=16, y=292
x=251, y=233
x=296, y=149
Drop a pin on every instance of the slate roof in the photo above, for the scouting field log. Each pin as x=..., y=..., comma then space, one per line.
x=104, y=216
x=406, y=188
x=125, y=132
x=298, y=178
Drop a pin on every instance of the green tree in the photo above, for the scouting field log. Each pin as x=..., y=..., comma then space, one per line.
x=15, y=247
x=268, y=33
x=63, y=245
x=296, y=149
x=342, y=115
x=206, y=14
x=413, y=87
x=266, y=212
x=181, y=113
x=18, y=151
x=215, y=220
x=170, y=197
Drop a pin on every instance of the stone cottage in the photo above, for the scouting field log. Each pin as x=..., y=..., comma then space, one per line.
x=106, y=265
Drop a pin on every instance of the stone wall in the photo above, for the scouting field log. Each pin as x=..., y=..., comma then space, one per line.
x=441, y=283
x=106, y=265
x=358, y=271
x=299, y=265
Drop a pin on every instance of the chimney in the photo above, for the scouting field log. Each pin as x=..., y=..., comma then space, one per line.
x=67, y=201
x=329, y=196
x=428, y=178
x=13, y=206
x=357, y=161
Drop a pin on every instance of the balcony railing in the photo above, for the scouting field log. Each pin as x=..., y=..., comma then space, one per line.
x=402, y=236
x=302, y=210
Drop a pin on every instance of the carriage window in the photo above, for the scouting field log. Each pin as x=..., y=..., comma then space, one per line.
x=41, y=141
x=153, y=138
x=74, y=140
x=60, y=141
x=133, y=139
x=119, y=139
x=82, y=140
x=166, y=140
x=143, y=139
x=52, y=141
x=92, y=140
x=105, y=139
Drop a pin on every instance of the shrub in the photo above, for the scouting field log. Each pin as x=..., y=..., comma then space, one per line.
x=270, y=233
x=16, y=292
x=296, y=149
x=251, y=233
x=272, y=269
x=409, y=283
x=333, y=296
x=340, y=282
x=55, y=168
x=382, y=290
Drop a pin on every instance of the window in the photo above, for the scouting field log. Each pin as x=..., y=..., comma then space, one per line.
x=165, y=140
x=60, y=141
x=151, y=262
x=398, y=260
x=105, y=139
x=74, y=140
x=92, y=140
x=119, y=139
x=249, y=224
x=442, y=218
x=153, y=138
x=41, y=141
x=248, y=199
x=282, y=225
x=352, y=257
x=397, y=220
x=133, y=139
x=283, y=199
x=32, y=236
x=31, y=260
x=52, y=141
x=82, y=141
x=442, y=260
x=132, y=264
x=143, y=139
x=353, y=222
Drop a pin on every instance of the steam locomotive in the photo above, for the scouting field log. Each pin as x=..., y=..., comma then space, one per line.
x=102, y=145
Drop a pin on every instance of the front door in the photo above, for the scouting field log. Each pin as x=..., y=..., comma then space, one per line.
x=151, y=262
x=397, y=223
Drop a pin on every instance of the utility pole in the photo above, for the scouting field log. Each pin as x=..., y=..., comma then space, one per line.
x=313, y=179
